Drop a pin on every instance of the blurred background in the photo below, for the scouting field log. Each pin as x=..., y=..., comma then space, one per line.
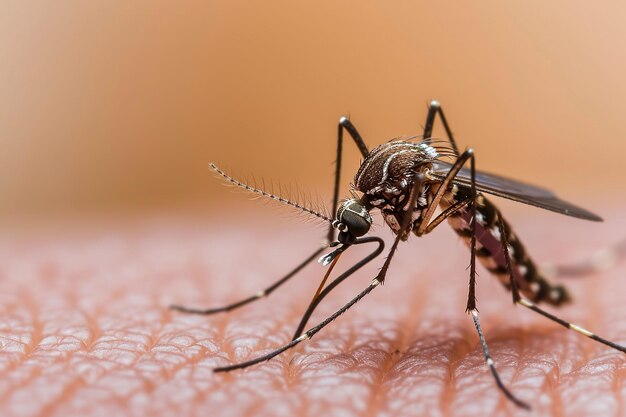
x=116, y=106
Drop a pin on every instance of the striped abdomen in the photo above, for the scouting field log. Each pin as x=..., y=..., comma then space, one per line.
x=491, y=255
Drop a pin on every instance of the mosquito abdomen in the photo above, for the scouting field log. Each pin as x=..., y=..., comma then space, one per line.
x=491, y=254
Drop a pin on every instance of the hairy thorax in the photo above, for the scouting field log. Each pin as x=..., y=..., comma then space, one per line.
x=386, y=178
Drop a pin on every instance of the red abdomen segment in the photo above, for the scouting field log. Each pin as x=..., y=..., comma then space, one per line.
x=491, y=255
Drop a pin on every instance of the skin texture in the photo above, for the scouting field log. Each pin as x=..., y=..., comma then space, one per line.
x=86, y=329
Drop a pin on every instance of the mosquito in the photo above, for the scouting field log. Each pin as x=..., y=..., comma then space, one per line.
x=416, y=189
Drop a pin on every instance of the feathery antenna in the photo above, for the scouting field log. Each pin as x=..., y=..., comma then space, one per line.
x=270, y=195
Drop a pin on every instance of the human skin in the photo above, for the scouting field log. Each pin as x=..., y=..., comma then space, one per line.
x=86, y=328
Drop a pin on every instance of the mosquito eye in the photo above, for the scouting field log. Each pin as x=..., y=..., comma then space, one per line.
x=356, y=217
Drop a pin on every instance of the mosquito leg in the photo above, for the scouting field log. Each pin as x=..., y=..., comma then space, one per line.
x=434, y=109
x=314, y=303
x=443, y=187
x=380, y=278
x=261, y=294
x=517, y=298
x=450, y=211
x=471, y=297
x=507, y=258
x=492, y=366
x=571, y=326
x=309, y=333
x=344, y=124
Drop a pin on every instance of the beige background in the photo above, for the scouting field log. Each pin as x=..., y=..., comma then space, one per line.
x=116, y=105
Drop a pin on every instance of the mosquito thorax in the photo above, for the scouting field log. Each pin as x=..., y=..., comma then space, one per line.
x=355, y=217
x=386, y=176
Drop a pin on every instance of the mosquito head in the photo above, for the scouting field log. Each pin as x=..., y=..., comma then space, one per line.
x=355, y=217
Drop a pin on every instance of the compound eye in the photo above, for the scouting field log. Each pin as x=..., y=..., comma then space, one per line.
x=356, y=217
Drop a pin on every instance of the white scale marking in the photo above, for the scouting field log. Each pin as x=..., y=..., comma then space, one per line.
x=526, y=303
x=388, y=162
x=580, y=330
x=380, y=201
x=419, y=148
x=572, y=326
x=305, y=336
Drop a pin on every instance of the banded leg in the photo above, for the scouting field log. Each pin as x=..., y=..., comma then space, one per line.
x=260, y=294
x=471, y=297
x=309, y=334
x=380, y=278
x=434, y=109
x=571, y=326
x=491, y=364
x=450, y=211
x=443, y=187
x=517, y=298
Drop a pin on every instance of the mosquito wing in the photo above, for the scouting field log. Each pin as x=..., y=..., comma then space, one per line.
x=513, y=190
